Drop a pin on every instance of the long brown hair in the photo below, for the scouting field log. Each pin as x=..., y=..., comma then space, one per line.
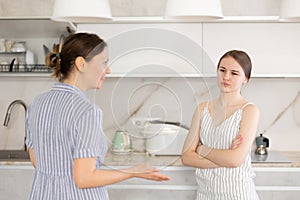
x=86, y=45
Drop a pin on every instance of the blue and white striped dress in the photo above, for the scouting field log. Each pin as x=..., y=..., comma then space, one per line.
x=224, y=183
x=62, y=125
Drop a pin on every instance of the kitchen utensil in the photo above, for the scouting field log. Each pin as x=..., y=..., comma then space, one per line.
x=11, y=65
x=262, y=143
x=121, y=142
x=61, y=42
x=55, y=48
x=69, y=30
x=46, y=50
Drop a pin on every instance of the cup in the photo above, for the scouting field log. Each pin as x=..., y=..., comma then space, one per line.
x=8, y=45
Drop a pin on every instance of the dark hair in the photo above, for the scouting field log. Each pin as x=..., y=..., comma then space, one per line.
x=86, y=45
x=242, y=58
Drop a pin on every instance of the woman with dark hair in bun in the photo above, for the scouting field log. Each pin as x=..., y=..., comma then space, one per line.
x=66, y=142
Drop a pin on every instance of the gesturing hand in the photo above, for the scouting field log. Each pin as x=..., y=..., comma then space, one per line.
x=147, y=172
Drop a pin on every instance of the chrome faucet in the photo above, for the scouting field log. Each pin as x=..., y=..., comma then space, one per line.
x=8, y=113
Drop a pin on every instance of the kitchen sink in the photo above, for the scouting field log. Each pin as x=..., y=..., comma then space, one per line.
x=8, y=155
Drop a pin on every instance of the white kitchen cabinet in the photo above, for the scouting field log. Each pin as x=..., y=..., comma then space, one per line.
x=30, y=27
x=168, y=49
x=273, y=47
x=152, y=49
x=35, y=31
x=278, y=183
x=274, y=183
x=181, y=186
x=15, y=182
x=193, y=49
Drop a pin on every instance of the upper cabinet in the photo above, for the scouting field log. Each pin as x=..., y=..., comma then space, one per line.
x=37, y=33
x=273, y=47
x=151, y=49
x=161, y=48
x=193, y=49
x=30, y=27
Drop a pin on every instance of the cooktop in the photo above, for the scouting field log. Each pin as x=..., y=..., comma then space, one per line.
x=271, y=157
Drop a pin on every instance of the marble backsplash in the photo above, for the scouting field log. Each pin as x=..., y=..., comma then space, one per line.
x=170, y=99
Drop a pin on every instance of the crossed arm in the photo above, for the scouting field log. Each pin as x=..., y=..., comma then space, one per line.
x=198, y=155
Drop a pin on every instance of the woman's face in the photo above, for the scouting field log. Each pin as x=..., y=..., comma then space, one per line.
x=96, y=70
x=231, y=75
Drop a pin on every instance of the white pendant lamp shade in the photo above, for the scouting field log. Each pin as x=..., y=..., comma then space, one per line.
x=193, y=10
x=290, y=10
x=81, y=11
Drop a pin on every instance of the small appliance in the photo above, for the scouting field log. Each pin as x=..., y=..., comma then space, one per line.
x=262, y=143
x=121, y=142
x=164, y=137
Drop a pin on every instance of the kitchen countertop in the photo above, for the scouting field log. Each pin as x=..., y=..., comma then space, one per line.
x=164, y=161
x=112, y=160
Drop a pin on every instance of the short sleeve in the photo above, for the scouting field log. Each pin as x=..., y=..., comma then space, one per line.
x=88, y=135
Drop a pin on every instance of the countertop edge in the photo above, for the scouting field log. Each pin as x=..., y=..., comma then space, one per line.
x=161, y=162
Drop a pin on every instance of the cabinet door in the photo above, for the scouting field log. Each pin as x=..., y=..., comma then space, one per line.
x=15, y=183
x=166, y=48
x=278, y=183
x=181, y=186
x=273, y=47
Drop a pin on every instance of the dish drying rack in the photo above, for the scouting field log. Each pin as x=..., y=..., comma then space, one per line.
x=23, y=68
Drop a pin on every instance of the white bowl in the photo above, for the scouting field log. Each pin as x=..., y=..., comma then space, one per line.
x=18, y=47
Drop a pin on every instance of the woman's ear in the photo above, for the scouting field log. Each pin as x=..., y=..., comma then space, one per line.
x=245, y=81
x=80, y=64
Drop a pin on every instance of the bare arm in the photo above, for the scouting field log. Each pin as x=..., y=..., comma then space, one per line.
x=86, y=175
x=190, y=157
x=235, y=157
x=31, y=155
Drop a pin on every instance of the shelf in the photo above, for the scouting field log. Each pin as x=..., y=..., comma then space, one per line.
x=25, y=71
x=13, y=53
x=25, y=74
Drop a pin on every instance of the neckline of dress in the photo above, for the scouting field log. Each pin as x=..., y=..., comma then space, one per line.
x=226, y=119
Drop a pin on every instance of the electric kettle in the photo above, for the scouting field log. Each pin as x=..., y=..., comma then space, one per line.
x=121, y=143
x=262, y=143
